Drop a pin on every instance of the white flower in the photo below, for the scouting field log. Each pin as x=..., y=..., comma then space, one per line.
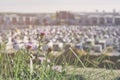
x=57, y=68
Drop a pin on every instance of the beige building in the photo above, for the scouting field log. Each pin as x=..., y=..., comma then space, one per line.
x=83, y=18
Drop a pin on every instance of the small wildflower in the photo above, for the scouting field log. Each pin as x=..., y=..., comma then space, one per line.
x=17, y=30
x=42, y=59
x=57, y=68
x=49, y=49
x=42, y=34
x=29, y=46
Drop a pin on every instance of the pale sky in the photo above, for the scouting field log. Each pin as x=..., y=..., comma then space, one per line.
x=36, y=6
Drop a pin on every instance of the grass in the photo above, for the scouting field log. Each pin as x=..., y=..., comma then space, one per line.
x=21, y=65
x=94, y=73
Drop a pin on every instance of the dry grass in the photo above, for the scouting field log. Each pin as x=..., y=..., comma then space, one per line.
x=94, y=73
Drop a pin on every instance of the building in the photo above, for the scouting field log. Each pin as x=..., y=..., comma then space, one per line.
x=62, y=17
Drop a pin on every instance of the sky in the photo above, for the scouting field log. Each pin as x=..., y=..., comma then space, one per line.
x=37, y=6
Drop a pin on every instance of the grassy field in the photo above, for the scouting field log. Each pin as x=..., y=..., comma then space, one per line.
x=26, y=64
x=94, y=73
x=18, y=66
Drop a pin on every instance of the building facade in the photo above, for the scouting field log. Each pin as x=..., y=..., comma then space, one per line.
x=62, y=17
